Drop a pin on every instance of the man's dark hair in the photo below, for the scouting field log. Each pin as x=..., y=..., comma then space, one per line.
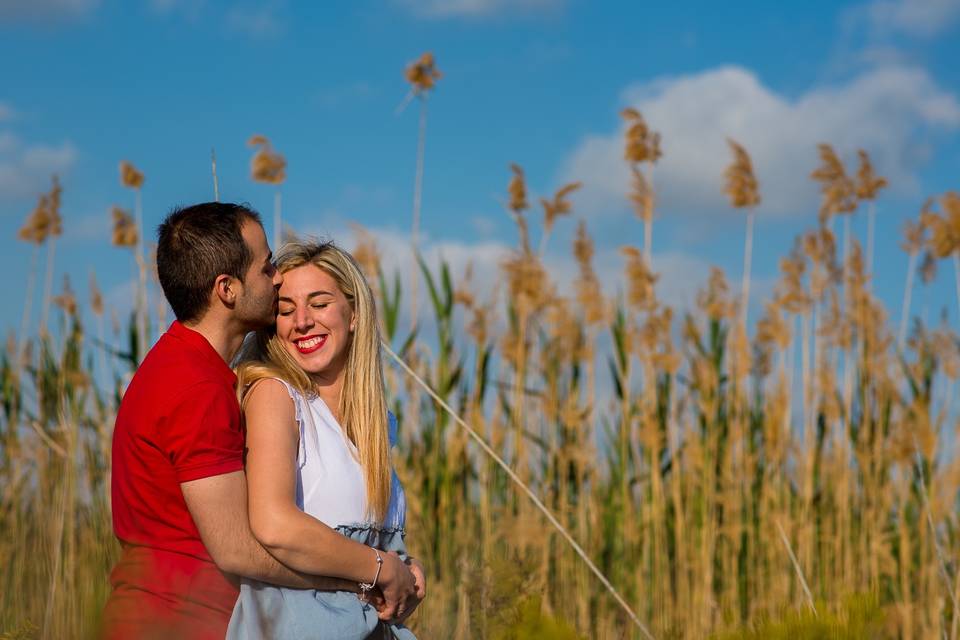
x=195, y=245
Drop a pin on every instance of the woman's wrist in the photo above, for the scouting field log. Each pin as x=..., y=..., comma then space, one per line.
x=367, y=587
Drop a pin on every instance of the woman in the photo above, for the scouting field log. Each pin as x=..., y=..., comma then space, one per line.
x=323, y=497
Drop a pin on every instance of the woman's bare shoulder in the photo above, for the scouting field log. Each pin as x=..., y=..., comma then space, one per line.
x=268, y=394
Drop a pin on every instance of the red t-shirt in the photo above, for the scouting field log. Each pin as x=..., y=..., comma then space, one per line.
x=179, y=421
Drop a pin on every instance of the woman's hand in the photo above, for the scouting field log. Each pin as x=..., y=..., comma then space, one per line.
x=399, y=587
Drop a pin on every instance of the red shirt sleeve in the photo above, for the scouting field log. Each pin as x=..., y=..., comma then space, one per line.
x=203, y=435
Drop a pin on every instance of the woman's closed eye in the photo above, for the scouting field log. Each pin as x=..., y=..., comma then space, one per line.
x=313, y=305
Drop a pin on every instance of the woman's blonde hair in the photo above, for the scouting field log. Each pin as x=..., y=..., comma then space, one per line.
x=362, y=408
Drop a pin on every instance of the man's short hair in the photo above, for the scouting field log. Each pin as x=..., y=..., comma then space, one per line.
x=197, y=244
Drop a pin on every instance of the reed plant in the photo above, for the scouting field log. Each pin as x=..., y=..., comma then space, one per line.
x=793, y=477
x=132, y=178
x=422, y=75
x=267, y=166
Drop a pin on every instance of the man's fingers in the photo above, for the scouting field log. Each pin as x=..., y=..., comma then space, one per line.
x=420, y=580
x=389, y=611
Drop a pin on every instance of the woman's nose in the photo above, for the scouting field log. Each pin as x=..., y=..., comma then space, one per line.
x=302, y=319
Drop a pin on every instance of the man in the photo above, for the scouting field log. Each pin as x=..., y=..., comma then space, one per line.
x=178, y=488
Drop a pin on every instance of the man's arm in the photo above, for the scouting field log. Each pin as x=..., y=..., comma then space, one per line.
x=218, y=506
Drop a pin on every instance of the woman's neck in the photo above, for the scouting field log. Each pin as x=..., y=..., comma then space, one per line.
x=329, y=392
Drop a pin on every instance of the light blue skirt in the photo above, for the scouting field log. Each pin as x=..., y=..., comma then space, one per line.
x=265, y=611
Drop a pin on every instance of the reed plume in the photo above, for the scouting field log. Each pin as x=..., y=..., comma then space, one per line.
x=743, y=190
x=422, y=74
x=641, y=293
x=49, y=225
x=38, y=226
x=944, y=238
x=517, y=204
x=588, y=287
x=641, y=146
x=66, y=299
x=269, y=167
x=124, y=231
x=869, y=185
x=553, y=208
x=838, y=191
x=132, y=178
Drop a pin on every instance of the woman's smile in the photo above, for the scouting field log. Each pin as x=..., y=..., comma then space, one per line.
x=309, y=344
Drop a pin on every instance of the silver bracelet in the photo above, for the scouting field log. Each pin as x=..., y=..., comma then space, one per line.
x=367, y=587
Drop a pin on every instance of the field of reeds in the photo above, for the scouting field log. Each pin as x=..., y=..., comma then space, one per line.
x=788, y=476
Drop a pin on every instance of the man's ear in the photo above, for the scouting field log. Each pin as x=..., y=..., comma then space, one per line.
x=225, y=288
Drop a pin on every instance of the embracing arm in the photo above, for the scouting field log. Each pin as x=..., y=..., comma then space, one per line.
x=218, y=506
x=295, y=538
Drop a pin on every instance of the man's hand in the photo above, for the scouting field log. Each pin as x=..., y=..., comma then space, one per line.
x=398, y=585
x=377, y=600
x=419, y=575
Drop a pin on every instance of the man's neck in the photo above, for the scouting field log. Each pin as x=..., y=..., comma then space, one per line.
x=224, y=336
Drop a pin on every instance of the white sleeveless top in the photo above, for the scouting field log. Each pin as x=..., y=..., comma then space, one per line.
x=330, y=482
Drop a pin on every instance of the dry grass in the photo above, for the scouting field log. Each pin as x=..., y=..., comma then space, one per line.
x=732, y=484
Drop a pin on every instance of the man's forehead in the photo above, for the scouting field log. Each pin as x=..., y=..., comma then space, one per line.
x=255, y=237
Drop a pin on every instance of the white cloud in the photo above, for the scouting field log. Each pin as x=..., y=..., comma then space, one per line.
x=45, y=10
x=25, y=170
x=885, y=111
x=476, y=8
x=921, y=18
x=49, y=159
x=681, y=275
x=262, y=21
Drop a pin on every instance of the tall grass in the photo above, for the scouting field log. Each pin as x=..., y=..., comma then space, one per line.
x=732, y=484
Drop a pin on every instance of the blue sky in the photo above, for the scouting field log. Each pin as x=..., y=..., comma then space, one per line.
x=88, y=83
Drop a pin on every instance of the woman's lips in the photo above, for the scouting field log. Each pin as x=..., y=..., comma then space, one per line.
x=310, y=343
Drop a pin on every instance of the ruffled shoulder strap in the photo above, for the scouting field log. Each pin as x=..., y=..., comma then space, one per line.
x=305, y=425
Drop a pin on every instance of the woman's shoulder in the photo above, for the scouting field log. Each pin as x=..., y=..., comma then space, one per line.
x=271, y=390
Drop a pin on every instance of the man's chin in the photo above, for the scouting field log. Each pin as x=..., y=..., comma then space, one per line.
x=255, y=324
